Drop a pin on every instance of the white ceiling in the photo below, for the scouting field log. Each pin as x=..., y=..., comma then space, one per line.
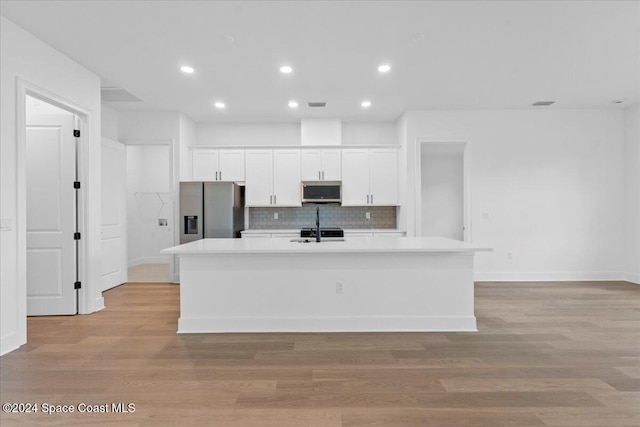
x=445, y=55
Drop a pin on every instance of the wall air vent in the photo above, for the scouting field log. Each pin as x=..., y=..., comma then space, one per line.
x=543, y=103
x=117, y=94
x=317, y=104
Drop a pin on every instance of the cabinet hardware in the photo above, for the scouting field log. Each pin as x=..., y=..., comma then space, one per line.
x=220, y=175
x=372, y=199
x=319, y=176
x=275, y=199
x=367, y=199
x=323, y=175
x=271, y=199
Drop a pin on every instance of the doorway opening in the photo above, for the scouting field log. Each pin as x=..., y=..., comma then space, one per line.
x=150, y=211
x=53, y=220
x=443, y=189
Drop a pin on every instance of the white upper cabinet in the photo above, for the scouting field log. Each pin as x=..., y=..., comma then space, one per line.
x=272, y=177
x=217, y=165
x=259, y=178
x=231, y=165
x=370, y=177
x=355, y=177
x=204, y=166
x=384, y=177
x=320, y=165
x=286, y=178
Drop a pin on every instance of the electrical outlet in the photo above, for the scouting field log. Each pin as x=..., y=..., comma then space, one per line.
x=367, y=215
x=339, y=288
x=275, y=215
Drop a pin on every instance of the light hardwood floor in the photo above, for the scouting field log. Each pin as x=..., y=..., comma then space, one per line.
x=546, y=354
x=149, y=273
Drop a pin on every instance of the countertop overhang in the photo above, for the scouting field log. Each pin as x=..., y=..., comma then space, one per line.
x=355, y=245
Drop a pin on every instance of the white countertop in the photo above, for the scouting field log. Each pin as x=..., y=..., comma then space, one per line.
x=356, y=245
x=297, y=230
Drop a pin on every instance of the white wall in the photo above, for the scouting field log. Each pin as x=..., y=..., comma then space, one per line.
x=109, y=122
x=150, y=128
x=187, y=139
x=148, y=200
x=239, y=134
x=551, y=182
x=442, y=194
x=632, y=192
x=24, y=56
x=354, y=133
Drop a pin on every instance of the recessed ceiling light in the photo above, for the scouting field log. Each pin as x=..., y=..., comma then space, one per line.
x=187, y=69
x=286, y=69
x=384, y=68
x=219, y=105
x=543, y=103
x=366, y=104
x=293, y=104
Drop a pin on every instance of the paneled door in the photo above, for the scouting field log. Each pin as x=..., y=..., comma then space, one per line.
x=51, y=214
x=114, y=213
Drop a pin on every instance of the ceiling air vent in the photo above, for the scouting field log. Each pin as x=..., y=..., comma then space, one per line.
x=317, y=104
x=543, y=103
x=117, y=94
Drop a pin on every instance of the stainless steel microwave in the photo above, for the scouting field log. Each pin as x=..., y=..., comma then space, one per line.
x=321, y=192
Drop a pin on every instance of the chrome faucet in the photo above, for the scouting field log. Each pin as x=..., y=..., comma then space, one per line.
x=318, y=224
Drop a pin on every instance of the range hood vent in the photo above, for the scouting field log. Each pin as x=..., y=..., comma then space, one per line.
x=117, y=94
x=316, y=104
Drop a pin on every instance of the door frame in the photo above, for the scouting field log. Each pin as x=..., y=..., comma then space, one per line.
x=84, y=124
x=106, y=142
x=174, y=191
x=422, y=142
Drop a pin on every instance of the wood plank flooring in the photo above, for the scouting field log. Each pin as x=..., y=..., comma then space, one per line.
x=546, y=354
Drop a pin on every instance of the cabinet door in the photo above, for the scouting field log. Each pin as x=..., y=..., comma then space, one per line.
x=231, y=165
x=286, y=178
x=384, y=177
x=310, y=165
x=258, y=177
x=331, y=165
x=355, y=177
x=204, y=165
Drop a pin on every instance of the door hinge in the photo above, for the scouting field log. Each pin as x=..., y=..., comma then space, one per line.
x=76, y=236
x=76, y=184
x=77, y=285
x=76, y=133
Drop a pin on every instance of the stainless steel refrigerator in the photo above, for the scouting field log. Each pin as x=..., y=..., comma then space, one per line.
x=210, y=209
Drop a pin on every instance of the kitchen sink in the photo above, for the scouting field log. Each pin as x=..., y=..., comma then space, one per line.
x=313, y=240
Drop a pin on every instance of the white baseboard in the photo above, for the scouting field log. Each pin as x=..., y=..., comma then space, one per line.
x=633, y=278
x=328, y=324
x=559, y=276
x=98, y=304
x=149, y=260
x=10, y=342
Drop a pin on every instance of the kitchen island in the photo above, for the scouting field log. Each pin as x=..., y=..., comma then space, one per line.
x=356, y=285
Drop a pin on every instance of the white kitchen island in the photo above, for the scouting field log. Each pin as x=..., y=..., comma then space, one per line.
x=363, y=284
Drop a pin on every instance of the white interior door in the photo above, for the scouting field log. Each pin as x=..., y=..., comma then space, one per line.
x=51, y=214
x=114, y=213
